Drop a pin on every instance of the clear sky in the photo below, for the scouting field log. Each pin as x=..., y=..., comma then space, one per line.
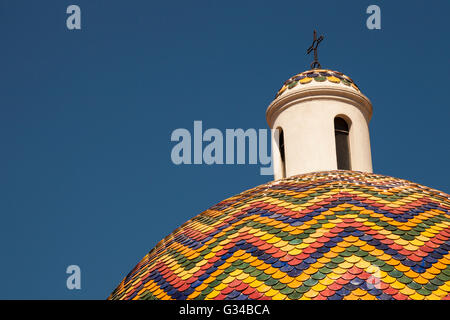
x=86, y=116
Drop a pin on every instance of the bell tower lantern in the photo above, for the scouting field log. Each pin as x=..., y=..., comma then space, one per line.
x=319, y=121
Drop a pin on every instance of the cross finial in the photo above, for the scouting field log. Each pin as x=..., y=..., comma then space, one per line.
x=315, y=64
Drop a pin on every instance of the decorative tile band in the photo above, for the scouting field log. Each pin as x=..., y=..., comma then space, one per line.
x=326, y=235
x=319, y=75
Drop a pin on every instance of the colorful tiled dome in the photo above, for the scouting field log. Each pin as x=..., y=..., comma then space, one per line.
x=326, y=235
x=317, y=76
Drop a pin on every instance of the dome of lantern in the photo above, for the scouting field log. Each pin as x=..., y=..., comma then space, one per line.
x=319, y=78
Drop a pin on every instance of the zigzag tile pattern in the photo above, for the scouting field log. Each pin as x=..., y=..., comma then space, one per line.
x=327, y=235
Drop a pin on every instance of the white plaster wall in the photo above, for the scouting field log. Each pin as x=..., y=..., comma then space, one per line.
x=308, y=126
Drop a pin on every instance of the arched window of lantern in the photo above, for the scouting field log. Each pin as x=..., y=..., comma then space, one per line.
x=341, y=134
x=281, y=149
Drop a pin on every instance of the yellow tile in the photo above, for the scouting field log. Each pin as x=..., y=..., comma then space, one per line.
x=216, y=273
x=310, y=270
x=270, y=270
x=263, y=288
x=402, y=268
x=209, y=255
x=333, y=276
x=421, y=280
x=445, y=287
x=439, y=265
x=346, y=265
x=368, y=296
x=351, y=296
x=185, y=276
x=286, y=279
x=194, y=295
x=228, y=279
x=401, y=242
x=440, y=293
x=273, y=240
x=392, y=262
x=242, y=276
x=224, y=265
x=359, y=292
x=255, y=284
x=278, y=274
x=295, y=252
x=236, y=272
x=397, y=285
x=339, y=270
x=279, y=296
x=319, y=287
x=407, y=291
x=212, y=295
x=433, y=270
x=249, y=279
x=388, y=279
x=294, y=284
x=352, y=259
x=385, y=257
x=272, y=292
x=337, y=249
x=311, y=294
x=209, y=280
x=362, y=264
x=433, y=297
x=428, y=275
x=220, y=287
x=417, y=296
x=417, y=242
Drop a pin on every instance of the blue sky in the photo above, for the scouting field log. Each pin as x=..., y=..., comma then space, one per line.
x=86, y=116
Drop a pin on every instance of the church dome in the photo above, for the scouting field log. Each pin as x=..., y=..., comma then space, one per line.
x=317, y=77
x=324, y=235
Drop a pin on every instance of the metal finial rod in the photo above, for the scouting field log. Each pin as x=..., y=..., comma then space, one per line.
x=315, y=64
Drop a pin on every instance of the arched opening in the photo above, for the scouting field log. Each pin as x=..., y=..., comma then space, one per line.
x=341, y=131
x=282, y=151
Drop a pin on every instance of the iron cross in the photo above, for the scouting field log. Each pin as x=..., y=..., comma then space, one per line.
x=315, y=64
